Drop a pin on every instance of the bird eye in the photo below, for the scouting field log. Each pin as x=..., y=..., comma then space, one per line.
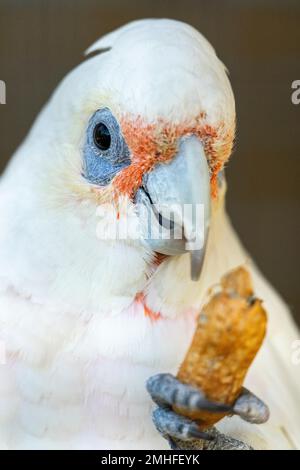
x=102, y=137
x=105, y=151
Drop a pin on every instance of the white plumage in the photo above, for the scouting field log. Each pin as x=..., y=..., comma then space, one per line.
x=79, y=347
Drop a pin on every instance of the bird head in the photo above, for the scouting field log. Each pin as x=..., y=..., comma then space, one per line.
x=141, y=128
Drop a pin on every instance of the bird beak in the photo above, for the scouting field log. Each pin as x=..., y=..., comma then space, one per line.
x=174, y=204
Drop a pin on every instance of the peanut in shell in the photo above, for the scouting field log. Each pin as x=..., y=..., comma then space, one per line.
x=229, y=333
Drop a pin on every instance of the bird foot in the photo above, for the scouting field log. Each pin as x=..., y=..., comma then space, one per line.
x=182, y=432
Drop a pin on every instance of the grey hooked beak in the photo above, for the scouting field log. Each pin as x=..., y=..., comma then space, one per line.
x=174, y=204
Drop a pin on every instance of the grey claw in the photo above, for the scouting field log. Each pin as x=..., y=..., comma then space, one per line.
x=166, y=390
x=250, y=408
x=174, y=426
x=183, y=433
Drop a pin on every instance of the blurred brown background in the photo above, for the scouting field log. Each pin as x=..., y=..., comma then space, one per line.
x=259, y=41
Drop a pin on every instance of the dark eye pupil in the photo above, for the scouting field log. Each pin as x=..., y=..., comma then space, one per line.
x=102, y=136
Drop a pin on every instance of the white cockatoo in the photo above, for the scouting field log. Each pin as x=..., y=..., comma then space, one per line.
x=86, y=318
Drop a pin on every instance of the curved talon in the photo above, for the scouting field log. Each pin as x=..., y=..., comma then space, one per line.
x=166, y=390
x=171, y=425
x=251, y=408
x=183, y=434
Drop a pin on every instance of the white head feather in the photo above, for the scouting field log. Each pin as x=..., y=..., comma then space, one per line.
x=49, y=249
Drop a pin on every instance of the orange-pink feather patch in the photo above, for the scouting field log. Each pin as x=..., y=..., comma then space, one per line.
x=150, y=144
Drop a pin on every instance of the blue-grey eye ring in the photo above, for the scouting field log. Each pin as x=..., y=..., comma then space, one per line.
x=105, y=137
